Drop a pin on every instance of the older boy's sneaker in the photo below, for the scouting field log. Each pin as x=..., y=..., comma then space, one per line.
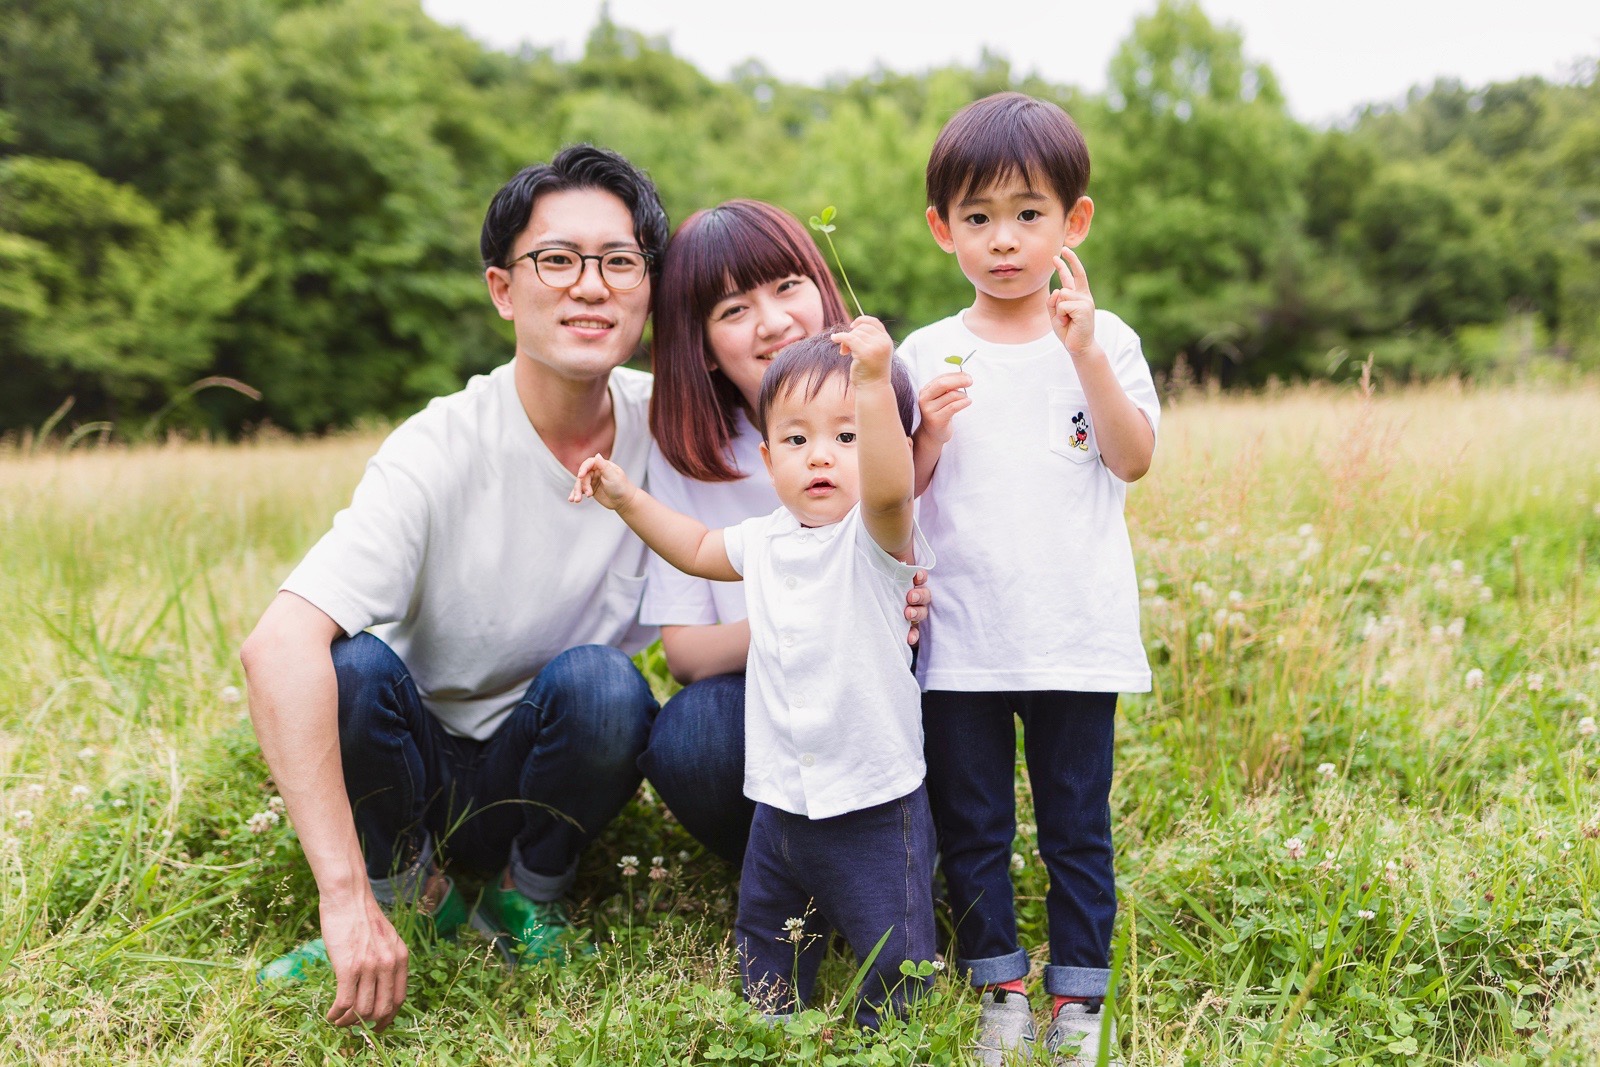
x=540, y=928
x=1073, y=1037
x=1005, y=1028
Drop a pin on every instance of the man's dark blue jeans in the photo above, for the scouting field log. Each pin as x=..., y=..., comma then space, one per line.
x=970, y=740
x=696, y=763
x=532, y=795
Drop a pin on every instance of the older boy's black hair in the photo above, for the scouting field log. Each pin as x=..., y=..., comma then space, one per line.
x=1001, y=137
x=579, y=166
x=810, y=363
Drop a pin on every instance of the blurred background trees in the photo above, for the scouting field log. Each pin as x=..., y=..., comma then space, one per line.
x=288, y=193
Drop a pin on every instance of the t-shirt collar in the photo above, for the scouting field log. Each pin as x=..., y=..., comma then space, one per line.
x=784, y=523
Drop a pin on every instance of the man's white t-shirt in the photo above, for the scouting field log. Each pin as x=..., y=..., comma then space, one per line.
x=1036, y=585
x=832, y=713
x=672, y=598
x=460, y=551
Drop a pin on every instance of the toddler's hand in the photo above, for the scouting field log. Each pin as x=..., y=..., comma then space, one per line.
x=604, y=480
x=869, y=345
x=939, y=400
x=1072, y=305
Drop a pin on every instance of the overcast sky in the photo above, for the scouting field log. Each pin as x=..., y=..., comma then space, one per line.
x=1329, y=56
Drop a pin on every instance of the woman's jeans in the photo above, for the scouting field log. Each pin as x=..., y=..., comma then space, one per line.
x=970, y=741
x=531, y=796
x=695, y=761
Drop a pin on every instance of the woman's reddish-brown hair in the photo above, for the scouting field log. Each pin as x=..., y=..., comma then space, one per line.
x=722, y=250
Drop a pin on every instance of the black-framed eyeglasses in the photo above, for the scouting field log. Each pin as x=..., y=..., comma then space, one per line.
x=560, y=268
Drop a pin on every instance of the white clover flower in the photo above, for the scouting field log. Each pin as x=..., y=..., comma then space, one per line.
x=1457, y=567
x=1236, y=620
x=1306, y=579
x=1535, y=683
x=262, y=821
x=229, y=694
x=938, y=965
x=1202, y=527
x=1235, y=597
x=683, y=856
x=1203, y=591
x=1386, y=556
x=79, y=792
x=1158, y=605
x=1436, y=633
x=1204, y=641
x=1365, y=913
x=23, y=818
x=1435, y=570
x=119, y=803
x=1474, y=679
x=1306, y=529
x=1457, y=628
x=87, y=752
x=1363, y=550
x=1150, y=585
x=36, y=789
x=1327, y=770
x=1017, y=862
x=794, y=929
x=275, y=805
x=1296, y=848
x=1485, y=593
x=1219, y=618
x=1441, y=586
x=1587, y=727
x=658, y=869
x=1476, y=579
x=628, y=865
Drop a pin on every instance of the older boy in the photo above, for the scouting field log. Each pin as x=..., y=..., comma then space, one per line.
x=1038, y=616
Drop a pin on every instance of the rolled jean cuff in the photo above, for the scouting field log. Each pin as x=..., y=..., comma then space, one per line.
x=541, y=887
x=1077, y=981
x=406, y=886
x=995, y=969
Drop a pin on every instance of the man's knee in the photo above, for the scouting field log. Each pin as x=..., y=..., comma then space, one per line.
x=367, y=671
x=609, y=702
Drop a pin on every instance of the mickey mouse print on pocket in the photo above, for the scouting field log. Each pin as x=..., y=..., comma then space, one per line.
x=1071, y=432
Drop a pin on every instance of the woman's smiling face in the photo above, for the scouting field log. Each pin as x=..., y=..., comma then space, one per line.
x=744, y=331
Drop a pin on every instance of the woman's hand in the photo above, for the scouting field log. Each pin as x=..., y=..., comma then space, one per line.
x=918, y=597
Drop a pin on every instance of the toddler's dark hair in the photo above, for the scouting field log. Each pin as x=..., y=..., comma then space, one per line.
x=1001, y=137
x=808, y=364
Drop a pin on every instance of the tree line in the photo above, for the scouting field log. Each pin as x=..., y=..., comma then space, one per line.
x=287, y=194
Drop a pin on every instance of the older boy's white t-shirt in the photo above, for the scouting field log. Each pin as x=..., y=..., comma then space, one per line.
x=833, y=719
x=1036, y=584
x=672, y=598
x=460, y=551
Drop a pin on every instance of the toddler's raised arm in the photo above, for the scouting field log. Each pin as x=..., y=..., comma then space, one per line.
x=684, y=542
x=882, y=445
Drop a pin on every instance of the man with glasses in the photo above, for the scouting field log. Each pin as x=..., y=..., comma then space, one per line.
x=445, y=675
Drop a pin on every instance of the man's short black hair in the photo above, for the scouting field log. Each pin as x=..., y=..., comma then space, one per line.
x=810, y=363
x=1004, y=136
x=579, y=166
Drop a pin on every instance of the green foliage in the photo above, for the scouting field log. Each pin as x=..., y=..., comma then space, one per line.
x=294, y=189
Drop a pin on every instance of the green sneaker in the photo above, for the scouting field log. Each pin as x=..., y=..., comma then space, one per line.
x=540, y=928
x=301, y=962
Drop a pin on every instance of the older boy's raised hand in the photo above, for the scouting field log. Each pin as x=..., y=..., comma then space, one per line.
x=1072, y=305
x=938, y=403
x=605, y=481
x=869, y=347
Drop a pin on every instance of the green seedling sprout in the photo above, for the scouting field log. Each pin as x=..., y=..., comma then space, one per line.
x=960, y=361
x=823, y=224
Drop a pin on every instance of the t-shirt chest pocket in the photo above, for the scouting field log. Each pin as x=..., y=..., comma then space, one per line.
x=1071, y=432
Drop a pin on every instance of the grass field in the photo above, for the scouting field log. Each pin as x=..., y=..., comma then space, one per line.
x=1358, y=819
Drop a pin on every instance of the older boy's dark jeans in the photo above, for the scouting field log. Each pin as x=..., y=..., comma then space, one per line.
x=695, y=761
x=864, y=873
x=971, y=745
x=532, y=795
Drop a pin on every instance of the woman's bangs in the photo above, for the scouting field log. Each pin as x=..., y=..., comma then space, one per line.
x=731, y=253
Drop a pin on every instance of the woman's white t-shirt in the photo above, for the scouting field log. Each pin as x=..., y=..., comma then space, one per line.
x=1036, y=586
x=460, y=551
x=672, y=598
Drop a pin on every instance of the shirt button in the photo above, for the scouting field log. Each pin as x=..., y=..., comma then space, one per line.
x=808, y=760
x=788, y=640
x=791, y=582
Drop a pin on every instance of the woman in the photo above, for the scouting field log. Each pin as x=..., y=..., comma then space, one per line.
x=739, y=282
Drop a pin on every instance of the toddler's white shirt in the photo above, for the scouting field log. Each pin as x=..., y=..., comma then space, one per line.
x=1037, y=588
x=672, y=598
x=460, y=551
x=833, y=717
